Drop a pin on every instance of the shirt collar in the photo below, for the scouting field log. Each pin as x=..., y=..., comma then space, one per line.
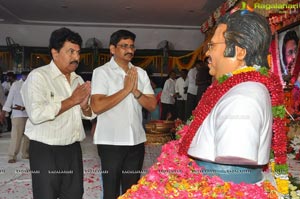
x=55, y=72
x=116, y=66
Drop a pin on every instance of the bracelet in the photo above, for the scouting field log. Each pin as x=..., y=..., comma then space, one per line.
x=87, y=109
x=139, y=96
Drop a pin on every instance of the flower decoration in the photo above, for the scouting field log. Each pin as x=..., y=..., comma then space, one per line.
x=178, y=176
x=175, y=175
x=294, y=148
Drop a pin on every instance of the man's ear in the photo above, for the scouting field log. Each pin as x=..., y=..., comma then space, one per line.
x=54, y=53
x=112, y=49
x=240, y=53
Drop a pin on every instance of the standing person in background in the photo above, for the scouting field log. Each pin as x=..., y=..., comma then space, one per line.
x=181, y=95
x=119, y=92
x=2, y=101
x=156, y=114
x=10, y=79
x=192, y=89
x=1, y=76
x=56, y=99
x=14, y=104
x=168, y=98
x=203, y=78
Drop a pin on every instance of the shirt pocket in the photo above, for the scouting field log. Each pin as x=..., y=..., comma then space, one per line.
x=54, y=97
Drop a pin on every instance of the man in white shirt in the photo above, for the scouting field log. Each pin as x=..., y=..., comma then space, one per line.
x=56, y=99
x=192, y=90
x=181, y=96
x=167, y=99
x=2, y=101
x=10, y=79
x=14, y=104
x=119, y=92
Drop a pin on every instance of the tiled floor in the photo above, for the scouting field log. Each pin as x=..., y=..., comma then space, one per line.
x=15, y=180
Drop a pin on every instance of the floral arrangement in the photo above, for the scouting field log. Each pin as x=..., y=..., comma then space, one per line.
x=175, y=175
x=294, y=148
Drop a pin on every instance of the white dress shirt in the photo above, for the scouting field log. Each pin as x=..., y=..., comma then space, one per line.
x=167, y=95
x=122, y=124
x=179, y=88
x=240, y=125
x=14, y=98
x=6, y=86
x=43, y=91
x=191, y=81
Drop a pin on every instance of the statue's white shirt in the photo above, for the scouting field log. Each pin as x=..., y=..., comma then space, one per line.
x=240, y=125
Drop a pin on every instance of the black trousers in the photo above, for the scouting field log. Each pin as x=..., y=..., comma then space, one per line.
x=180, y=106
x=166, y=109
x=191, y=104
x=57, y=171
x=121, y=167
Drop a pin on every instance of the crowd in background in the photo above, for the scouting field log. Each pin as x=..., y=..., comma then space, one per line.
x=13, y=115
x=176, y=97
x=21, y=100
x=180, y=93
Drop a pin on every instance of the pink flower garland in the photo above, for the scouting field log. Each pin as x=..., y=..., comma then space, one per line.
x=178, y=176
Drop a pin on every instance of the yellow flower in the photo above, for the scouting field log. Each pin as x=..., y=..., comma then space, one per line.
x=283, y=185
x=272, y=165
x=244, y=70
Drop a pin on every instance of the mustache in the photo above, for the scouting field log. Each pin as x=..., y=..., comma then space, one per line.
x=74, y=62
x=129, y=54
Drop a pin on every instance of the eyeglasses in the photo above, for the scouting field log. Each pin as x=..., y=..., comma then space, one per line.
x=211, y=44
x=126, y=46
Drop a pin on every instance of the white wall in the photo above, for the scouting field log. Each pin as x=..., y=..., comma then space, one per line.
x=38, y=36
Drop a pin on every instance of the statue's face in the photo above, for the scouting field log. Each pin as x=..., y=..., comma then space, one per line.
x=290, y=55
x=217, y=63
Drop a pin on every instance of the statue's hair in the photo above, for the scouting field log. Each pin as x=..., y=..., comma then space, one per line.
x=250, y=31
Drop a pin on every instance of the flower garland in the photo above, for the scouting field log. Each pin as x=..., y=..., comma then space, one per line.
x=175, y=175
x=178, y=176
